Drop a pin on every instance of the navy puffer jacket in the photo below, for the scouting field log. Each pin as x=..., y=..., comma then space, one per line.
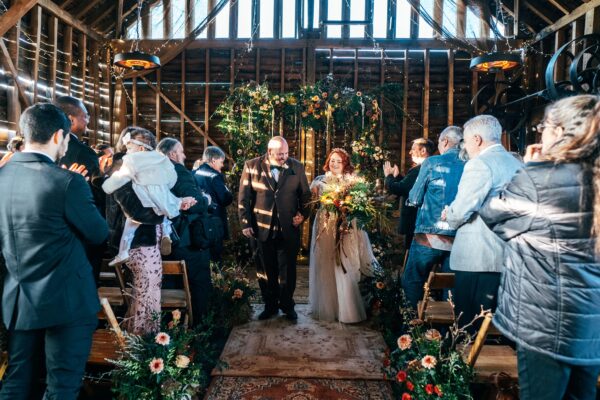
x=549, y=298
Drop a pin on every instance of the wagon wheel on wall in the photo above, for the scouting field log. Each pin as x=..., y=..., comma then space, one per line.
x=500, y=99
x=584, y=70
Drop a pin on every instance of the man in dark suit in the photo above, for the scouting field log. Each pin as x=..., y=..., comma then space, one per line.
x=211, y=181
x=46, y=213
x=401, y=186
x=272, y=203
x=80, y=155
x=197, y=260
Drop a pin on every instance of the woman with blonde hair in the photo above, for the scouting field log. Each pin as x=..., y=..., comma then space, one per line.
x=549, y=296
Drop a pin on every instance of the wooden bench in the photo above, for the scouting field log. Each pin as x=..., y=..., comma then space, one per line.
x=432, y=311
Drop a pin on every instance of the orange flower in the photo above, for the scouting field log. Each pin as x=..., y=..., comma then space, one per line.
x=182, y=361
x=162, y=339
x=429, y=388
x=433, y=334
x=404, y=342
x=410, y=386
x=429, y=362
x=237, y=294
x=380, y=285
x=406, y=396
x=176, y=315
x=156, y=365
x=438, y=390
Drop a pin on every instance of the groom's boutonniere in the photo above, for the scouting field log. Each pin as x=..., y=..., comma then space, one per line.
x=287, y=170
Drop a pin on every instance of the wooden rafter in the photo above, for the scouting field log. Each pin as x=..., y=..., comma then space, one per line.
x=68, y=18
x=14, y=72
x=106, y=13
x=537, y=12
x=17, y=10
x=567, y=19
x=559, y=6
x=87, y=8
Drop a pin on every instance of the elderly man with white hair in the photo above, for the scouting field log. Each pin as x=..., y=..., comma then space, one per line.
x=477, y=253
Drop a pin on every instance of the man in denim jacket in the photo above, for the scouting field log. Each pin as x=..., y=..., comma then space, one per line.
x=435, y=188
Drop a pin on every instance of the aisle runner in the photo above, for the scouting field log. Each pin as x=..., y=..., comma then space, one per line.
x=306, y=360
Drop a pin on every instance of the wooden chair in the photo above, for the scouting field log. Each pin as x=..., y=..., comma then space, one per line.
x=177, y=298
x=491, y=359
x=432, y=311
x=106, y=343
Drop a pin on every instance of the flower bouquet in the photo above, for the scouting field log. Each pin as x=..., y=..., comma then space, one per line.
x=426, y=365
x=231, y=296
x=172, y=364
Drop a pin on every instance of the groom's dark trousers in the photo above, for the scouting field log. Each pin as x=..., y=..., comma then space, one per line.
x=276, y=270
x=47, y=214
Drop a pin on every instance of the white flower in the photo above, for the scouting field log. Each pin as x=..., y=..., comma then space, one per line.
x=182, y=361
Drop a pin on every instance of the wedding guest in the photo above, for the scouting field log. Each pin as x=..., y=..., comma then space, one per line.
x=337, y=262
x=272, y=204
x=210, y=179
x=14, y=146
x=79, y=154
x=549, y=215
x=400, y=186
x=435, y=188
x=197, y=260
x=145, y=263
x=50, y=299
x=477, y=254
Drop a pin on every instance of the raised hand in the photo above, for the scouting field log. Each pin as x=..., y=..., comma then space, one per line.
x=532, y=152
x=395, y=171
x=387, y=168
x=78, y=169
x=187, y=202
x=248, y=232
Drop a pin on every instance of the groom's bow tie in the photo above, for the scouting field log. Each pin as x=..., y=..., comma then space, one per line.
x=277, y=167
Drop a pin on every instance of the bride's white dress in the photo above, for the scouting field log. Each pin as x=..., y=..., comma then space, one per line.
x=333, y=294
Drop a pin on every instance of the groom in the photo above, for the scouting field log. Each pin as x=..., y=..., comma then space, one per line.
x=272, y=203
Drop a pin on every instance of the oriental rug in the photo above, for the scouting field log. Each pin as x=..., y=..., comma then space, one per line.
x=269, y=388
x=303, y=349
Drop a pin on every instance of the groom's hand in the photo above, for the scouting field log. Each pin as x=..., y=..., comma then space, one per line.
x=297, y=220
x=248, y=232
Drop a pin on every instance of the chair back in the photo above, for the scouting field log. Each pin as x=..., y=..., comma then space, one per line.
x=179, y=268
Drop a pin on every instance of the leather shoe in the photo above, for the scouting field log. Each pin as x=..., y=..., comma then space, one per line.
x=266, y=314
x=291, y=315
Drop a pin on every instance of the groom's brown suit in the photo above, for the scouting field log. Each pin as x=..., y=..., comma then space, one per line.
x=268, y=207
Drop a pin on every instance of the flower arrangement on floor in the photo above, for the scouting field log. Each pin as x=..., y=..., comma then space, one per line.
x=385, y=294
x=231, y=295
x=425, y=365
x=172, y=364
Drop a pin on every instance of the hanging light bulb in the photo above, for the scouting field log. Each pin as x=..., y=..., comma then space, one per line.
x=137, y=60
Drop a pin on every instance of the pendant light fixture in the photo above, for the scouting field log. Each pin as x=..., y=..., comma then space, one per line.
x=496, y=62
x=135, y=59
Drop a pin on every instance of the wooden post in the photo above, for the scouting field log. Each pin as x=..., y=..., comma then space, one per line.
x=391, y=26
x=36, y=26
x=450, y=87
x=331, y=61
x=96, y=82
x=461, y=18
x=559, y=41
x=210, y=32
x=53, y=39
x=146, y=23
x=404, y=111
x=474, y=90
x=257, y=65
x=119, y=27
x=282, y=73
x=68, y=50
x=438, y=15
x=167, y=19
x=206, y=95
x=355, y=69
x=134, y=112
x=12, y=56
x=414, y=20
x=233, y=19
x=189, y=16
x=231, y=70
x=158, y=107
x=182, y=100
x=111, y=98
x=345, y=17
x=516, y=16
x=83, y=58
x=426, y=95
x=12, y=16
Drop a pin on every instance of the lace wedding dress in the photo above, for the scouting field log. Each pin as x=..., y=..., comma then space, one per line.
x=333, y=293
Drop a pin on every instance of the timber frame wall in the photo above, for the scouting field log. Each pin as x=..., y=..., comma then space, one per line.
x=53, y=54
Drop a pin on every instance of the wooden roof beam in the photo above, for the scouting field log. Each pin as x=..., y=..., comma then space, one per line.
x=87, y=8
x=69, y=19
x=537, y=12
x=105, y=14
x=516, y=16
x=567, y=19
x=17, y=9
x=559, y=6
x=14, y=73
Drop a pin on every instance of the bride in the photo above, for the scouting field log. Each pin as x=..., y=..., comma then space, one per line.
x=334, y=271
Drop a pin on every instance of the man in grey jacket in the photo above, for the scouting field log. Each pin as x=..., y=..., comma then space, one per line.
x=477, y=253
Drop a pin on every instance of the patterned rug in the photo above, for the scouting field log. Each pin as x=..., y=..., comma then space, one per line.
x=301, y=292
x=303, y=349
x=231, y=388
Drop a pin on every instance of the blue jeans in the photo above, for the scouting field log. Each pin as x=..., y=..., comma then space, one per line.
x=543, y=378
x=421, y=260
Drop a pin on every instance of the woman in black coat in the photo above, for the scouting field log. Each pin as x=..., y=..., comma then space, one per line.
x=549, y=296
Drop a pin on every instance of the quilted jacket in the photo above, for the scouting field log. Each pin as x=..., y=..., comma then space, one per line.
x=549, y=297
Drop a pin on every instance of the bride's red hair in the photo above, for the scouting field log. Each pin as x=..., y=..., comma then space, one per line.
x=348, y=167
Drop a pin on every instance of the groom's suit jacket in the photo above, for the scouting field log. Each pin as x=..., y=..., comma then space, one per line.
x=46, y=215
x=260, y=196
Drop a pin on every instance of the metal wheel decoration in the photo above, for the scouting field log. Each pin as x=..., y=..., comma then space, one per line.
x=584, y=70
